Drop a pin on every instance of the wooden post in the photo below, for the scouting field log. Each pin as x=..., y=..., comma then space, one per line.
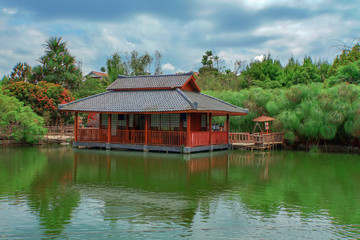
x=146, y=128
x=228, y=126
x=210, y=127
x=100, y=127
x=76, y=126
x=109, y=129
x=188, y=132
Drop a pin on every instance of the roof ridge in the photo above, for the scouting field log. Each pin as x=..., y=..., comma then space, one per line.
x=160, y=75
x=82, y=99
x=244, y=109
x=192, y=104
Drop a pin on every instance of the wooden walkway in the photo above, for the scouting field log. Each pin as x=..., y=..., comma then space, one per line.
x=256, y=141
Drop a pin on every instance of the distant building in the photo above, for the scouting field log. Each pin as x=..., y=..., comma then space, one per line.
x=94, y=74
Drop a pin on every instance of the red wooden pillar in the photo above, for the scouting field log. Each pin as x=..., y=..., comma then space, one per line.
x=146, y=128
x=109, y=129
x=76, y=126
x=100, y=127
x=228, y=127
x=210, y=127
x=188, y=132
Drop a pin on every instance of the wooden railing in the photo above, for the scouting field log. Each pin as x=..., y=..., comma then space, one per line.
x=161, y=138
x=240, y=137
x=220, y=137
x=256, y=138
x=129, y=136
x=66, y=130
x=199, y=138
x=168, y=138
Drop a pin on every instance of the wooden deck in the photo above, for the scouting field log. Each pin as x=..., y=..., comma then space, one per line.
x=256, y=141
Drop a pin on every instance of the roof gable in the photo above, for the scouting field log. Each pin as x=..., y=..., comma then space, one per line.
x=152, y=82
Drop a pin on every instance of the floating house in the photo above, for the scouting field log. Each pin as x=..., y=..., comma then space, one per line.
x=153, y=113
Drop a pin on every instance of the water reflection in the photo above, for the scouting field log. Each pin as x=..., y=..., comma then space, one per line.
x=88, y=191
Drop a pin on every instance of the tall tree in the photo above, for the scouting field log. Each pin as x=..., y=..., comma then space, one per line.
x=115, y=67
x=57, y=65
x=157, y=63
x=21, y=73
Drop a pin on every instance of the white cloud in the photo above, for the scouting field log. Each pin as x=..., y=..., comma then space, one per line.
x=168, y=67
x=259, y=58
x=9, y=11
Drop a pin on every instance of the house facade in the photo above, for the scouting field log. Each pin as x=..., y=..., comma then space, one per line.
x=153, y=113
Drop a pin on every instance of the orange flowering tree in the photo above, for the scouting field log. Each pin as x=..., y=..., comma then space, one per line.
x=43, y=98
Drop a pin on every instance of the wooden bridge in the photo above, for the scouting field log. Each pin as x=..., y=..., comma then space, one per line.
x=257, y=141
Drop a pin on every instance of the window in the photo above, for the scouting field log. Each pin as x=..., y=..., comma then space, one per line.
x=104, y=120
x=203, y=121
x=121, y=120
x=165, y=122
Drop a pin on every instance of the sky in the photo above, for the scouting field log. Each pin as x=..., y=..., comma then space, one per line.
x=181, y=30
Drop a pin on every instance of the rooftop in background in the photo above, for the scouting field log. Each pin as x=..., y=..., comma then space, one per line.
x=94, y=74
x=185, y=81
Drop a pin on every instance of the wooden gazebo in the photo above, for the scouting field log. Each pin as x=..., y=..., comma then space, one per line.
x=156, y=113
x=264, y=119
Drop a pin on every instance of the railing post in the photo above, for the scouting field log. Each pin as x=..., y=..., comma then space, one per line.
x=76, y=126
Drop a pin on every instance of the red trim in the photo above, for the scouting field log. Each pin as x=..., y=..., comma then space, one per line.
x=193, y=83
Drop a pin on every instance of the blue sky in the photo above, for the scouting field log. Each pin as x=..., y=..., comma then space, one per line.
x=181, y=30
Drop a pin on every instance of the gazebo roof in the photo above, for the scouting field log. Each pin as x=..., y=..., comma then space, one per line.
x=152, y=101
x=263, y=119
x=152, y=82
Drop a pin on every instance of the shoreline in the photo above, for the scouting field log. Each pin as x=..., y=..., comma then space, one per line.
x=67, y=140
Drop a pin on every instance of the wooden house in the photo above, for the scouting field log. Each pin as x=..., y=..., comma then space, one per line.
x=94, y=74
x=153, y=113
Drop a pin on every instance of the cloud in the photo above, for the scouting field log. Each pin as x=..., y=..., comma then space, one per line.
x=259, y=58
x=10, y=11
x=182, y=30
x=168, y=67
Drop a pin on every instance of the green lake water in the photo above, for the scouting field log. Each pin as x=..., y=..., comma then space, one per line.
x=65, y=193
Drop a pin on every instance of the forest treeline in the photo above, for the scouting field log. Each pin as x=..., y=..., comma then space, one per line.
x=311, y=100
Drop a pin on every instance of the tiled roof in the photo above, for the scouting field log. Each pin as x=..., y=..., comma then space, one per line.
x=208, y=103
x=150, y=81
x=99, y=74
x=171, y=100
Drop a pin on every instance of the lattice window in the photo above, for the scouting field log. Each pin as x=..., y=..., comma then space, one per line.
x=114, y=119
x=165, y=120
x=104, y=120
x=174, y=120
x=131, y=120
x=203, y=121
x=121, y=120
x=184, y=118
x=155, y=120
